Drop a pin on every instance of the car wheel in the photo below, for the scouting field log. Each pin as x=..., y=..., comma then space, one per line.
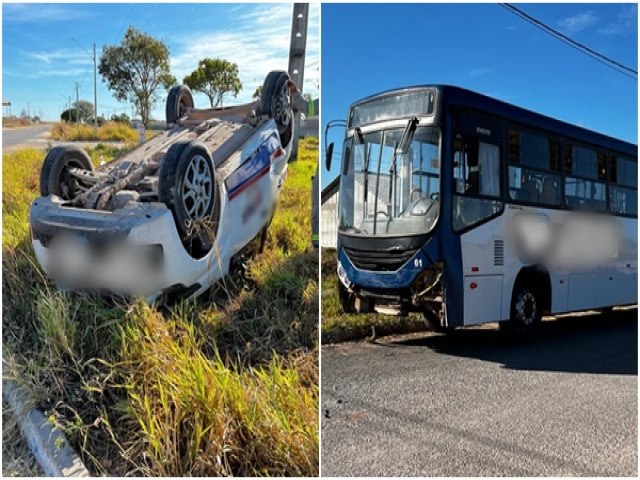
x=526, y=314
x=189, y=188
x=178, y=100
x=55, y=178
x=275, y=102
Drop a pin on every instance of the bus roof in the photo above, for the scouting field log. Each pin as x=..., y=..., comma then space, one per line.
x=453, y=95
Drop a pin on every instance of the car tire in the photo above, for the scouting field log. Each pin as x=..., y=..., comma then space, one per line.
x=275, y=101
x=54, y=176
x=526, y=314
x=179, y=99
x=189, y=188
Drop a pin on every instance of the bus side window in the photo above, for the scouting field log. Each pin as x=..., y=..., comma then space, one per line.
x=465, y=161
x=476, y=167
x=623, y=186
x=459, y=163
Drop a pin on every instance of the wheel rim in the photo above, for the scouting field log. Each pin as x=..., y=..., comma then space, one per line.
x=282, y=106
x=197, y=188
x=526, y=308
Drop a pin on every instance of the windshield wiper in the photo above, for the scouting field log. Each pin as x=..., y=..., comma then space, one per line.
x=407, y=136
x=400, y=147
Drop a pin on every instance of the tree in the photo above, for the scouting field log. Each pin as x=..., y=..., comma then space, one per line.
x=121, y=118
x=257, y=93
x=69, y=115
x=135, y=69
x=215, y=77
x=85, y=110
x=310, y=106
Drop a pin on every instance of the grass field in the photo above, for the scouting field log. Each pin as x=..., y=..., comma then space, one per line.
x=223, y=385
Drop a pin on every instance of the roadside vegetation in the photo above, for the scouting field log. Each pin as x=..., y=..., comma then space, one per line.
x=338, y=326
x=109, y=131
x=223, y=385
x=15, y=122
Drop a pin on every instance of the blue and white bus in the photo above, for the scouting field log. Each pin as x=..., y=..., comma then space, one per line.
x=472, y=210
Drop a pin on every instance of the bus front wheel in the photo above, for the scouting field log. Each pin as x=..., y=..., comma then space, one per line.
x=347, y=299
x=526, y=314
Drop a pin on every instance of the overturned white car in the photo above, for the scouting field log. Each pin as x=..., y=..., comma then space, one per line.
x=165, y=220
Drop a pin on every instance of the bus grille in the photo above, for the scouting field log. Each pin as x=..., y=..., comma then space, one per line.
x=377, y=260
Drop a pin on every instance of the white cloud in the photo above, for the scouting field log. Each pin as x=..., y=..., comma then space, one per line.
x=32, y=13
x=578, y=22
x=258, y=45
x=64, y=55
x=625, y=23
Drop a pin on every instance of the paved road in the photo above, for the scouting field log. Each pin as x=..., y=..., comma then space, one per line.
x=476, y=405
x=27, y=136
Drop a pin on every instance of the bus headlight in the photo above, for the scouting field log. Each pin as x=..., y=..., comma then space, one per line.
x=342, y=275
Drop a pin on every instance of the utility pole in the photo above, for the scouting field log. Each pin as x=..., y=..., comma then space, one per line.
x=95, y=95
x=77, y=102
x=95, y=87
x=29, y=111
x=296, y=63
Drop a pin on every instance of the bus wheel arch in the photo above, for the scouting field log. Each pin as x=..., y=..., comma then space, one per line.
x=538, y=278
x=530, y=298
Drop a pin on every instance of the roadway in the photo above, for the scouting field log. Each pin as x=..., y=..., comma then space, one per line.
x=477, y=405
x=35, y=136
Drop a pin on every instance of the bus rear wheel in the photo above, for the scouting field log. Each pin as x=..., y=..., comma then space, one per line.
x=526, y=314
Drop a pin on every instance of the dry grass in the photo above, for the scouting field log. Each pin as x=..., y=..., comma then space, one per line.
x=14, y=122
x=109, y=131
x=17, y=460
x=225, y=385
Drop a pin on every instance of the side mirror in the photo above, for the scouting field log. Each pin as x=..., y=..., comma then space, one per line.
x=329, y=154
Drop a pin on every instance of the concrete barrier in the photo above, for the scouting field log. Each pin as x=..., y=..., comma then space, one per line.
x=48, y=445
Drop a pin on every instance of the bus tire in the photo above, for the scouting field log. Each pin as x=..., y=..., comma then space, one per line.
x=347, y=299
x=526, y=313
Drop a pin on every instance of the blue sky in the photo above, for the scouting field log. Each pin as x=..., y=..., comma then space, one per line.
x=41, y=62
x=371, y=48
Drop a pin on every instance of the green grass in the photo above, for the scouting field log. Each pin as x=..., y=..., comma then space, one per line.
x=223, y=385
x=340, y=326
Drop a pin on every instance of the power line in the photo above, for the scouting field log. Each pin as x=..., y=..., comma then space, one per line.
x=617, y=66
x=185, y=19
x=125, y=22
x=152, y=14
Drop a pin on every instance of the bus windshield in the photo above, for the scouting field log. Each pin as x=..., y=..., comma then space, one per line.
x=387, y=188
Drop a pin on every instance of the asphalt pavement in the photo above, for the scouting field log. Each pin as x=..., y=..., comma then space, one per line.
x=25, y=136
x=476, y=404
